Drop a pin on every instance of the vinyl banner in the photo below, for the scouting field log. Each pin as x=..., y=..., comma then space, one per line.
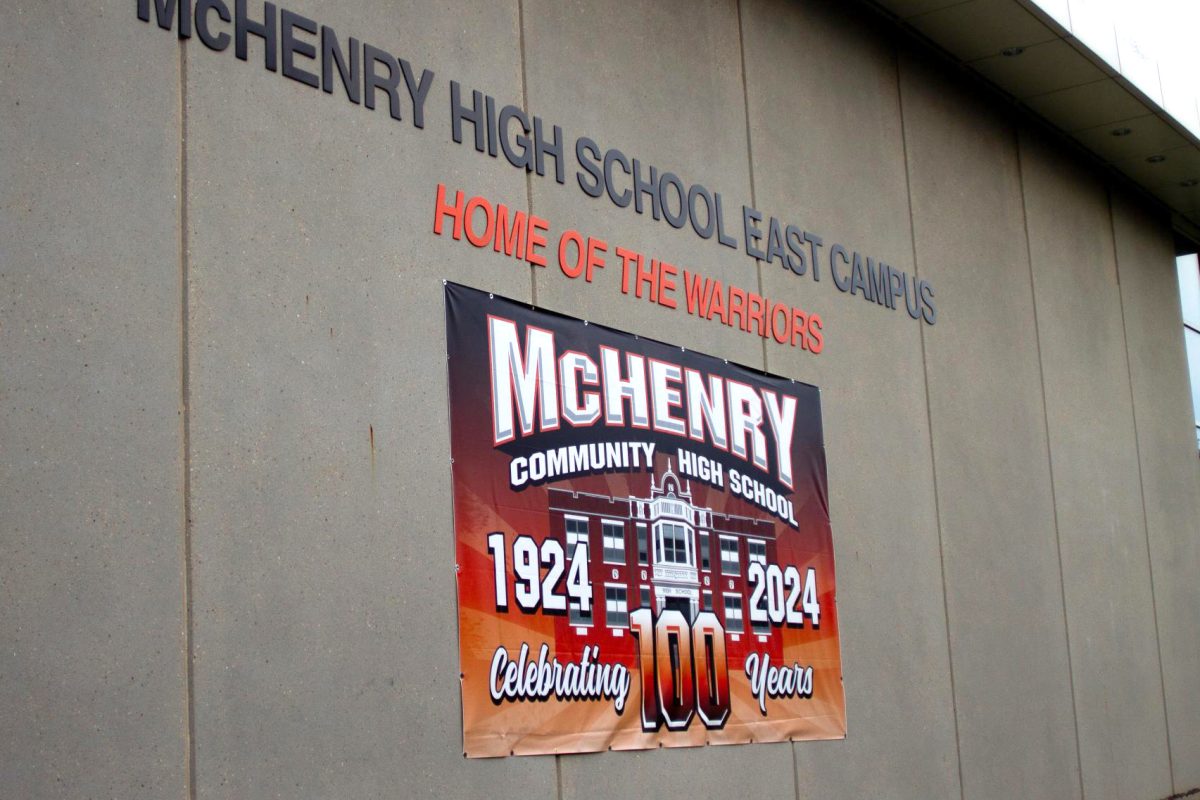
x=644, y=556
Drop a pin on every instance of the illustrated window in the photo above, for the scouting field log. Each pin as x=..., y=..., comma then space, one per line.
x=616, y=606
x=756, y=551
x=614, y=542
x=730, y=565
x=733, y=613
x=673, y=545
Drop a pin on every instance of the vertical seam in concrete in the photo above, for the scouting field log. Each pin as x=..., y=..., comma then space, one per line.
x=1137, y=447
x=185, y=390
x=525, y=105
x=749, y=151
x=532, y=268
x=1037, y=334
x=795, y=769
x=757, y=265
x=937, y=505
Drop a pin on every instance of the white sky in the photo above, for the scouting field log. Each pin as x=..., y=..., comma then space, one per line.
x=1154, y=43
x=1165, y=30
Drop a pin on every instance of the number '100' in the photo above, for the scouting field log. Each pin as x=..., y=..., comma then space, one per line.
x=683, y=668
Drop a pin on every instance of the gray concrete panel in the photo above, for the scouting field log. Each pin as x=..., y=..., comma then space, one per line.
x=661, y=82
x=1102, y=535
x=325, y=625
x=1157, y=365
x=92, y=689
x=1004, y=593
x=829, y=156
x=755, y=770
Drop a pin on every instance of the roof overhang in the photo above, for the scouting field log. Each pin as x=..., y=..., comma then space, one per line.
x=1029, y=54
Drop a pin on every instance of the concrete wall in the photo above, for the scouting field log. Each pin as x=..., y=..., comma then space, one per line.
x=93, y=677
x=225, y=540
